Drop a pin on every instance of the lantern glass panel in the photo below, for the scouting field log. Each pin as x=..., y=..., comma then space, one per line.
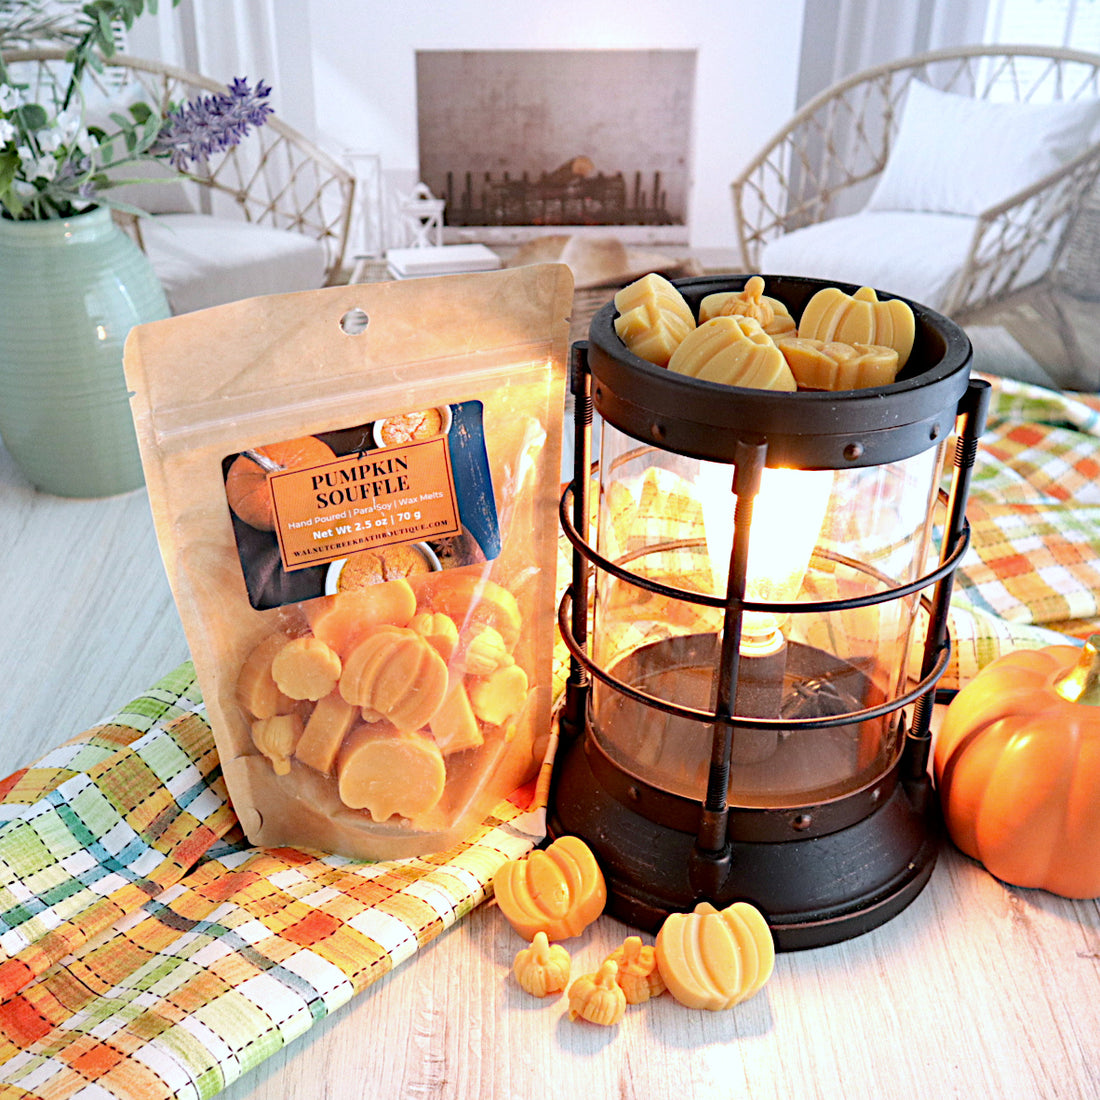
x=816, y=536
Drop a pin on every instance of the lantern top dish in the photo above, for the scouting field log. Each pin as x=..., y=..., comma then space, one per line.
x=806, y=429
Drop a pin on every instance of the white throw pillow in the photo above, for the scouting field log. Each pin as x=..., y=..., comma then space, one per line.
x=954, y=154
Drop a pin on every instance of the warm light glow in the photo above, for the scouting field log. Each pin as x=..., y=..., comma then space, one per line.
x=787, y=517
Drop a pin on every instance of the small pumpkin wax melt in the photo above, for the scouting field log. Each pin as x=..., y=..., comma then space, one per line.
x=833, y=365
x=638, y=974
x=276, y=737
x=542, y=968
x=712, y=958
x=470, y=597
x=439, y=629
x=388, y=771
x=559, y=891
x=774, y=317
x=598, y=998
x=305, y=668
x=653, y=318
x=860, y=318
x=735, y=351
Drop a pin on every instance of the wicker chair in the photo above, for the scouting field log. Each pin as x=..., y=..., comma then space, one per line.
x=275, y=178
x=825, y=162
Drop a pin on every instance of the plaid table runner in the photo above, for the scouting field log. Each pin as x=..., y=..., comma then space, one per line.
x=147, y=951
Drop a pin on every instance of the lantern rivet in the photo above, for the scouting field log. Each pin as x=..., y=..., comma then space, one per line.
x=801, y=822
x=853, y=451
x=657, y=430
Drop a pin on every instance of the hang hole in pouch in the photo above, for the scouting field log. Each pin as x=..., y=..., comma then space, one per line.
x=354, y=322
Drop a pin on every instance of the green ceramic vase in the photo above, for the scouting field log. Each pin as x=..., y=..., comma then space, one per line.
x=70, y=291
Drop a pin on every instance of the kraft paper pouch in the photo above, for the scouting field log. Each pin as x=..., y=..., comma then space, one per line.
x=355, y=492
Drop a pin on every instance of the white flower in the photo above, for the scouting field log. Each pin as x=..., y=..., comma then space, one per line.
x=69, y=122
x=10, y=98
x=7, y=131
x=35, y=167
x=50, y=141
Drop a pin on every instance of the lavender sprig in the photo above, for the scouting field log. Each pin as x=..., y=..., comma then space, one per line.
x=211, y=123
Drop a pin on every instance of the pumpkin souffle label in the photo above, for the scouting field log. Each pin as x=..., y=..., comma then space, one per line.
x=344, y=509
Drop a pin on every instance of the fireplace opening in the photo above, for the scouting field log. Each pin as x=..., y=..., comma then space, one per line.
x=518, y=140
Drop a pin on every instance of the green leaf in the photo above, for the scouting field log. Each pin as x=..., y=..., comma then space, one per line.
x=32, y=116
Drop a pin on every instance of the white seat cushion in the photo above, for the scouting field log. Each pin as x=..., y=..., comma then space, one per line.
x=910, y=254
x=204, y=261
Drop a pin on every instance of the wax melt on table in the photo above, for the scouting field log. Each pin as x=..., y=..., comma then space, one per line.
x=598, y=997
x=543, y=968
x=559, y=891
x=713, y=958
x=638, y=974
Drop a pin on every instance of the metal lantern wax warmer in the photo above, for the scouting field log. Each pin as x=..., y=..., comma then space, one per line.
x=745, y=630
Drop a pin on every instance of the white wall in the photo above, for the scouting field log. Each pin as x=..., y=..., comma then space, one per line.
x=364, y=78
x=360, y=93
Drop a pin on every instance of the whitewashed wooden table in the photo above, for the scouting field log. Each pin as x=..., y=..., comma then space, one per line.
x=976, y=990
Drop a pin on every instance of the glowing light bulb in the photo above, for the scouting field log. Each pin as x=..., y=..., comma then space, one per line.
x=787, y=516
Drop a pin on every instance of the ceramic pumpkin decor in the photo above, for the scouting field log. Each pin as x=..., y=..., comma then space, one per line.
x=1017, y=763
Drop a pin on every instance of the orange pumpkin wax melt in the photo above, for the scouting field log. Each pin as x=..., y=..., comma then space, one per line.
x=834, y=365
x=598, y=998
x=774, y=317
x=1017, y=764
x=735, y=351
x=342, y=621
x=388, y=771
x=543, y=968
x=396, y=673
x=559, y=891
x=860, y=318
x=713, y=958
x=305, y=668
x=638, y=974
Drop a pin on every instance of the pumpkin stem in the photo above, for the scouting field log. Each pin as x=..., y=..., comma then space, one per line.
x=1082, y=683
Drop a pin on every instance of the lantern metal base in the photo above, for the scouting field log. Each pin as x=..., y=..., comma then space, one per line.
x=813, y=890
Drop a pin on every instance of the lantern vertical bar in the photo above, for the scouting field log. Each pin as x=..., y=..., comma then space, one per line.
x=711, y=839
x=577, y=685
x=972, y=411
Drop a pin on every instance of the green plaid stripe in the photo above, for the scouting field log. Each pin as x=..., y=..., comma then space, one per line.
x=150, y=951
